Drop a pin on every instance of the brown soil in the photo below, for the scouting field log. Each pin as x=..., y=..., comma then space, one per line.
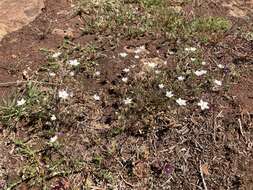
x=20, y=50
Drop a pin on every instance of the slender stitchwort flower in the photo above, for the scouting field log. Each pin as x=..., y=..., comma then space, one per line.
x=203, y=105
x=161, y=86
x=200, y=72
x=169, y=94
x=123, y=54
x=127, y=101
x=74, y=62
x=181, y=102
x=96, y=97
x=217, y=82
x=124, y=79
x=21, y=102
x=180, y=78
x=53, y=139
x=53, y=118
x=63, y=94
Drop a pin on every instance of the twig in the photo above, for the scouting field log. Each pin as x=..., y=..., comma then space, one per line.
x=18, y=83
x=240, y=127
x=126, y=182
x=202, y=176
x=7, y=84
x=14, y=185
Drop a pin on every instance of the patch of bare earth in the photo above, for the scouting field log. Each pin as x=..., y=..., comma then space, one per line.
x=21, y=50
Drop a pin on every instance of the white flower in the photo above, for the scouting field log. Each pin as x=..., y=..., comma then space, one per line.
x=124, y=79
x=217, y=82
x=123, y=54
x=56, y=55
x=63, y=94
x=21, y=102
x=139, y=49
x=126, y=70
x=97, y=73
x=203, y=105
x=193, y=59
x=53, y=118
x=220, y=66
x=96, y=97
x=180, y=78
x=169, y=94
x=161, y=86
x=157, y=71
x=191, y=49
x=151, y=64
x=74, y=62
x=181, y=102
x=200, y=72
x=203, y=63
x=127, y=101
x=53, y=139
x=72, y=73
x=51, y=74
x=136, y=56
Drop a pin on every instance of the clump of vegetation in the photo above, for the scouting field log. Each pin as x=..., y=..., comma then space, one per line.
x=117, y=111
x=135, y=18
x=32, y=104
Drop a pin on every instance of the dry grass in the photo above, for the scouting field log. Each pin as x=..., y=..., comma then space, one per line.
x=109, y=133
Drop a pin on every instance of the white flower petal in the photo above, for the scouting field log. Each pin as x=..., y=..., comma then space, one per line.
x=169, y=94
x=200, y=72
x=217, y=82
x=191, y=49
x=181, y=102
x=56, y=55
x=72, y=73
x=126, y=70
x=127, y=101
x=63, y=94
x=139, y=49
x=136, y=56
x=74, y=62
x=180, y=78
x=203, y=105
x=53, y=118
x=161, y=86
x=97, y=73
x=124, y=79
x=123, y=54
x=53, y=139
x=151, y=64
x=221, y=66
x=21, y=102
x=51, y=74
x=96, y=97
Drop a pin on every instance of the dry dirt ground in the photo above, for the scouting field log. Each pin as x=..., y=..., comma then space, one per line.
x=14, y=15
x=103, y=144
